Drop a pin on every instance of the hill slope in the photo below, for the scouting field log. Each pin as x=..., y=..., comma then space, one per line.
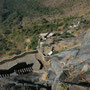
x=43, y=7
x=22, y=19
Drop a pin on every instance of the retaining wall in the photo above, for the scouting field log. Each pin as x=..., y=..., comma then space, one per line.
x=18, y=56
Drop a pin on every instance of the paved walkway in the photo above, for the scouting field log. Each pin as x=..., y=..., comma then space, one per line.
x=29, y=58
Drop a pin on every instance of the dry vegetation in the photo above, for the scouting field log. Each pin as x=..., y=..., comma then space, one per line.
x=21, y=21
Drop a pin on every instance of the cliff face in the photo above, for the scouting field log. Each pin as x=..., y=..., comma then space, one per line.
x=74, y=72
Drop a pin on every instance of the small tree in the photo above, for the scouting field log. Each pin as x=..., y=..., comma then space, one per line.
x=44, y=20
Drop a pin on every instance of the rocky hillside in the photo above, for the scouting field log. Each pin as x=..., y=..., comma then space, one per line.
x=68, y=70
x=59, y=31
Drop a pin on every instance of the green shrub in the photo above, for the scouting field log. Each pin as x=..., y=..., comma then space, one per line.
x=15, y=51
x=44, y=20
x=34, y=42
x=54, y=52
x=63, y=86
x=44, y=45
x=67, y=35
x=58, y=34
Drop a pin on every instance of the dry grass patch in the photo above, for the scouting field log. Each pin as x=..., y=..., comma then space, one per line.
x=44, y=76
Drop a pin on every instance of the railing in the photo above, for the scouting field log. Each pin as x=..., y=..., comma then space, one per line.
x=19, y=69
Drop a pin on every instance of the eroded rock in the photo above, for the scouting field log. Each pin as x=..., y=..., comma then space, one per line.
x=60, y=60
x=78, y=69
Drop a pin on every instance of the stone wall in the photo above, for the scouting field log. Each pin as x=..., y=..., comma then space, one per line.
x=28, y=57
x=18, y=56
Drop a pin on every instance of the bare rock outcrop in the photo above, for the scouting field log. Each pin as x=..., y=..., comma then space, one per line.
x=73, y=71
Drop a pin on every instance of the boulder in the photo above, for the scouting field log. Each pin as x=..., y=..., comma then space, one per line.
x=76, y=71
x=60, y=60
